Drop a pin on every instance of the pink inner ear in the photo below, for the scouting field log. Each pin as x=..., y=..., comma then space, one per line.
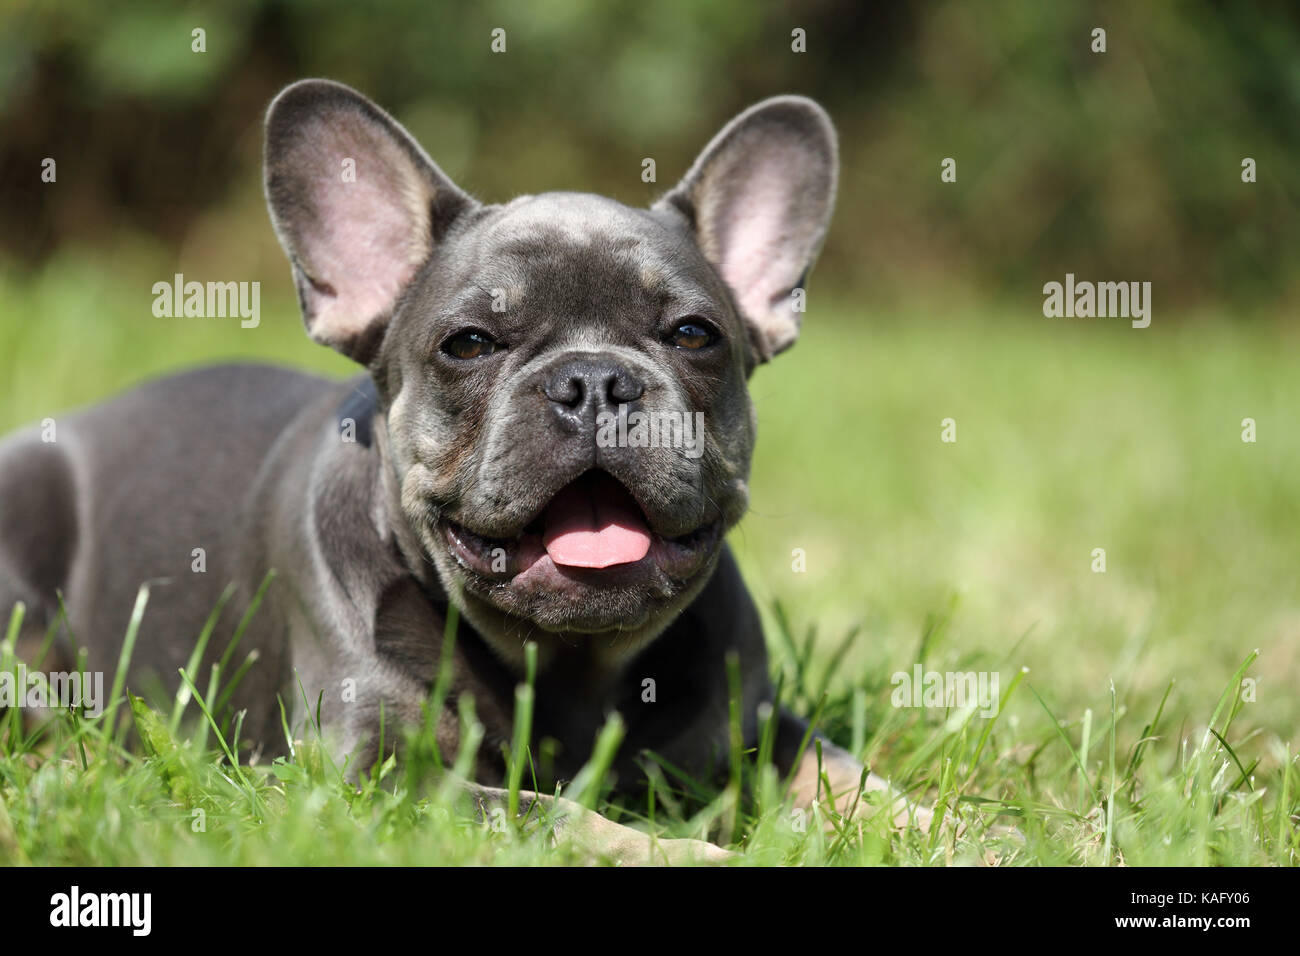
x=368, y=236
x=759, y=261
x=762, y=221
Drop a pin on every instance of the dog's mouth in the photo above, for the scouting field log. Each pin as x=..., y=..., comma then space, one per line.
x=591, y=532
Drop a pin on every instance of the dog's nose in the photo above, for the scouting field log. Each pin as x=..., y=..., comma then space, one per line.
x=580, y=389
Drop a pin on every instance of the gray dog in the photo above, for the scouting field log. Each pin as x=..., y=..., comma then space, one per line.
x=483, y=460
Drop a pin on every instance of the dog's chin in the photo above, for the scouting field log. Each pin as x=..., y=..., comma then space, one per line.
x=608, y=624
x=519, y=578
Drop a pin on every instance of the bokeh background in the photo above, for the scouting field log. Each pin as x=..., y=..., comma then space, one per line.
x=1108, y=164
x=1073, y=434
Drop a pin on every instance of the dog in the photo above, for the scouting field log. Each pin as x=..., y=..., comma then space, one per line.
x=466, y=466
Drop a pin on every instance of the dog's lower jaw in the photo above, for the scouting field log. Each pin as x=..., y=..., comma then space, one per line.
x=606, y=651
x=414, y=526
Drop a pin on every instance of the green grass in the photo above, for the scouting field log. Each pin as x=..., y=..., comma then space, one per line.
x=1144, y=731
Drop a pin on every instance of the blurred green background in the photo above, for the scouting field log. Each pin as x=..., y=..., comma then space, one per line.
x=927, y=303
x=1122, y=164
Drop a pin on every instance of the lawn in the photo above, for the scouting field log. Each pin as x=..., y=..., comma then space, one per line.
x=1148, y=712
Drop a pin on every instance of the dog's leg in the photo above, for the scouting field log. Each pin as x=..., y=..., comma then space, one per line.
x=38, y=534
x=594, y=837
x=388, y=698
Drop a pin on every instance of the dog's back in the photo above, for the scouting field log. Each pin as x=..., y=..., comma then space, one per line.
x=161, y=474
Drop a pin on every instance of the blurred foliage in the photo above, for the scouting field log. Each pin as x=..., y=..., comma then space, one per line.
x=1122, y=165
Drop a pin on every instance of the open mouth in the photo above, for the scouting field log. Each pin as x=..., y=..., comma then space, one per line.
x=592, y=529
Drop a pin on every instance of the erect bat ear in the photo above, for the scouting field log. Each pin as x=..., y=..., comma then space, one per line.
x=760, y=197
x=357, y=206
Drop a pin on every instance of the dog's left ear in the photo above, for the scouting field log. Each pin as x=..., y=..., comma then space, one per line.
x=760, y=198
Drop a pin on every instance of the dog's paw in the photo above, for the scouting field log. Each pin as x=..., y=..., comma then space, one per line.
x=854, y=807
x=594, y=839
x=641, y=849
x=838, y=783
x=601, y=840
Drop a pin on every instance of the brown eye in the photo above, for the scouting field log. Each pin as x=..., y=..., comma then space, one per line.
x=469, y=345
x=693, y=335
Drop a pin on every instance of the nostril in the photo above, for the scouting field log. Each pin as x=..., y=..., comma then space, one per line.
x=623, y=388
x=566, y=390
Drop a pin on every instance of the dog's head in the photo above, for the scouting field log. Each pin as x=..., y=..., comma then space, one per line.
x=563, y=377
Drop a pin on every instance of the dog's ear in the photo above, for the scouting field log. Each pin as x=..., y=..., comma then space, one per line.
x=357, y=206
x=760, y=198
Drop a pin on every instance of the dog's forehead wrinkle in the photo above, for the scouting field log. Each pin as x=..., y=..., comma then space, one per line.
x=556, y=223
x=541, y=248
x=575, y=214
x=492, y=288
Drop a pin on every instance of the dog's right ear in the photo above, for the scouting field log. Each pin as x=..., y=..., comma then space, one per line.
x=357, y=206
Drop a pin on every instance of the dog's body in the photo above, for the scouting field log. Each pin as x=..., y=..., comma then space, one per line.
x=466, y=466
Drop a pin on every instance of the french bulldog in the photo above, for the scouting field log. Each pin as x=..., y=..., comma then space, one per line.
x=483, y=460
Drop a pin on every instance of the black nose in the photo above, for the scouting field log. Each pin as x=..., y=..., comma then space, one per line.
x=579, y=389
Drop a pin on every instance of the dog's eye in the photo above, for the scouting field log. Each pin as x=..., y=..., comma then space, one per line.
x=693, y=335
x=470, y=345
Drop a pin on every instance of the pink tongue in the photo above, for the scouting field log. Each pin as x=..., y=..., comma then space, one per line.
x=594, y=523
